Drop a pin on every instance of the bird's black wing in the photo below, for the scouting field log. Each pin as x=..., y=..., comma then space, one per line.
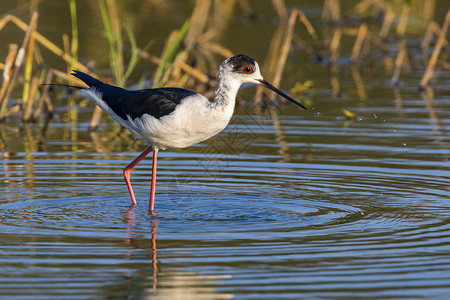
x=155, y=102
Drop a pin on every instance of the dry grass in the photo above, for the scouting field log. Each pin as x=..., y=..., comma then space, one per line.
x=191, y=53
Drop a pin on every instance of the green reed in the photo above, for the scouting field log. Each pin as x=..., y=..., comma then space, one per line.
x=167, y=58
x=113, y=24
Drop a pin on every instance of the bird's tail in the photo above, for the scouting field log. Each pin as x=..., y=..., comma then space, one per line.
x=89, y=80
x=106, y=89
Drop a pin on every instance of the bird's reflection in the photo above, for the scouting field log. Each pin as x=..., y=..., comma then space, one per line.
x=129, y=217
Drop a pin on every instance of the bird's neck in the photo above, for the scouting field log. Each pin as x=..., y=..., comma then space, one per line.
x=226, y=91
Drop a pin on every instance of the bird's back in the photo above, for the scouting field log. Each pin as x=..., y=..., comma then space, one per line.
x=157, y=102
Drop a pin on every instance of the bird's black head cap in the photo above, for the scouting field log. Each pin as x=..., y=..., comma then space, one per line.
x=239, y=64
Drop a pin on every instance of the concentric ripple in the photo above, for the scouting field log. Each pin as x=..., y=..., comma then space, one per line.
x=86, y=215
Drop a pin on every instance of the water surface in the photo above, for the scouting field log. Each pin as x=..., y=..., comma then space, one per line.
x=307, y=205
x=285, y=204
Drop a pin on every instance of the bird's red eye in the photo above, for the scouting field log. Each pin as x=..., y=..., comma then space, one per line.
x=248, y=69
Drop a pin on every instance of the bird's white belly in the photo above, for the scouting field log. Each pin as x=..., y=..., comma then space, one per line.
x=193, y=121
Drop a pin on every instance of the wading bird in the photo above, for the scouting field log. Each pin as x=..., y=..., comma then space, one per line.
x=174, y=117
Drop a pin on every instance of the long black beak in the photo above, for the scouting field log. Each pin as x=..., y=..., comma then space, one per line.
x=263, y=82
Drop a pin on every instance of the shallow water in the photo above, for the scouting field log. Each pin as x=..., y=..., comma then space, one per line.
x=288, y=204
x=283, y=204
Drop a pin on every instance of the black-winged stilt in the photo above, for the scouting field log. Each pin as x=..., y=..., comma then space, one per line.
x=173, y=117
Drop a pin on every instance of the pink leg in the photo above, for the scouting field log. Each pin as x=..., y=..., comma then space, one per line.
x=127, y=171
x=152, y=191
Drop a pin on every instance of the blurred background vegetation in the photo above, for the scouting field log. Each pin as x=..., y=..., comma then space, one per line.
x=181, y=43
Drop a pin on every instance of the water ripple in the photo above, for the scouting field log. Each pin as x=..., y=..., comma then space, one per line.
x=314, y=206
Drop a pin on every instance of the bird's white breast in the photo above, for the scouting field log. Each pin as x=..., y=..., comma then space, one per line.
x=194, y=120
